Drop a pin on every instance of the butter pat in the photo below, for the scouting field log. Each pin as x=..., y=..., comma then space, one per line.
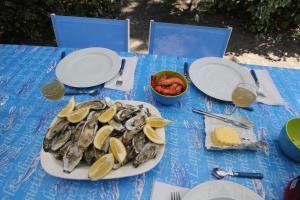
x=225, y=136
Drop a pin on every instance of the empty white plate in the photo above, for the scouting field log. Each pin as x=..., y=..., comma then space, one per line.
x=221, y=190
x=88, y=67
x=218, y=77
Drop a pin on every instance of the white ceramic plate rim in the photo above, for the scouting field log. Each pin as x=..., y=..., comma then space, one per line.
x=216, y=190
x=199, y=64
x=66, y=76
x=55, y=167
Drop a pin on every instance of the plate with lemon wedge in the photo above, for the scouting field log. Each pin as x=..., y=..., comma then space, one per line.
x=104, y=139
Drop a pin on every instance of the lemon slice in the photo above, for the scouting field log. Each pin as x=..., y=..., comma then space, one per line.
x=78, y=115
x=108, y=114
x=101, y=167
x=152, y=135
x=101, y=135
x=157, y=122
x=118, y=149
x=68, y=109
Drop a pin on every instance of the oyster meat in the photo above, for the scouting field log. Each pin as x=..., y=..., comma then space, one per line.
x=72, y=157
x=59, y=126
x=148, y=152
x=126, y=112
x=136, y=123
x=88, y=131
x=94, y=105
x=61, y=139
x=138, y=142
x=61, y=152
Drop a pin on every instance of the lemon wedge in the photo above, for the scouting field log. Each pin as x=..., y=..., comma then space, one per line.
x=101, y=135
x=68, y=109
x=108, y=114
x=78, y=115
x=118, y=149
x=101, y=167
x=152, y=135
x=157, y=122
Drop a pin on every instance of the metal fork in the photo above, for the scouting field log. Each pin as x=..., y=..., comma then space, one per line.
x=259, y=91
x=120, y=79
x=175, y=196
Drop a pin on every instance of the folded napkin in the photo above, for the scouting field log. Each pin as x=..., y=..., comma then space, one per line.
x=162, y=191
x=128, y=76
x=249, y=140
x=269, y=88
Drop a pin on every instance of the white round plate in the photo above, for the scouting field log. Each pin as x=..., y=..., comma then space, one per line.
x=88, y=67
x=218, y=77
x=55, y=167
x=221, y=190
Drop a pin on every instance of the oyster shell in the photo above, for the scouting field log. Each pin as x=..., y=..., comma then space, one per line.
x=127, y=137
x=105, y=146
x=94, y=105
x=136, y=123
x=72, y=157
x=88, y=131
x=77, y=132
x=117, y=125
x=61, y=152
x=60, y=139
x=131, y=154
x=126, y=112
x=59, y=126
x=149, y=151
x=116, y=166
x=138, y=141
x=91, y=154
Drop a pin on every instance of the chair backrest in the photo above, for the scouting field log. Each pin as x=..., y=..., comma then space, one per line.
x=83, y=32
x=187, y=40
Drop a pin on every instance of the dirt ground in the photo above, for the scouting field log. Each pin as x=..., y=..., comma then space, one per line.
x=243, y=47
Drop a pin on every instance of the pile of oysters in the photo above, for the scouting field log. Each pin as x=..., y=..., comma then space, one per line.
x=73, y=142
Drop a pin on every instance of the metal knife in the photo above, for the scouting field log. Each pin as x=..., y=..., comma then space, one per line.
x=224, y=119
x=254, y=76
x=186, y=70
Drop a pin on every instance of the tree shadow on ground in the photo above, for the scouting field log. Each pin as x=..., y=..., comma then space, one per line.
x=140, y=12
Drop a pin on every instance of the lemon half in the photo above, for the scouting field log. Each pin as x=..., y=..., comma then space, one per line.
x=101, y=167
x=118, y=149
x=68, y=109
x=78, y=115
x=101, y=135
x=157, y=122
x=108, y=114
x=152, y=135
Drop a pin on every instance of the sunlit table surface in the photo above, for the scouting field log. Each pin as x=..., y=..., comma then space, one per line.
x=25, y=117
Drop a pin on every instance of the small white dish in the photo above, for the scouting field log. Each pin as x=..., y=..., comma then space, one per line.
x=55, y=167
x=221, y=190
x=88, y=67
x=217, y=77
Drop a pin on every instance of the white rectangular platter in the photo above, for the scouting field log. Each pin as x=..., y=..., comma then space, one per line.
x=55, y=167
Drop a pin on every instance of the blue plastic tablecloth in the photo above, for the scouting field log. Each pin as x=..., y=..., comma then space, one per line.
x=25, y=117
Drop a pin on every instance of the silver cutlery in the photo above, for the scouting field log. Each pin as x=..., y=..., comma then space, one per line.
x=79, y=92
x=186, y=70
x=175, y=196
x=224, y=119
x=120, y=79
x=260, y=92
x=220, y=173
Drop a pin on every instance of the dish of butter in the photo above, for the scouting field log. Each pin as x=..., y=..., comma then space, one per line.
x=225, y=136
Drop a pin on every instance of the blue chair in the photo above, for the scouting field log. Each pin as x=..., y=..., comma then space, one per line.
x=187, y=40
x=83, y=32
